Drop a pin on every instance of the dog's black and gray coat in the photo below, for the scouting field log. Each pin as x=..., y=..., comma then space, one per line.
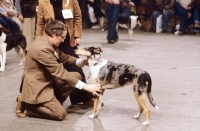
x=111, y=75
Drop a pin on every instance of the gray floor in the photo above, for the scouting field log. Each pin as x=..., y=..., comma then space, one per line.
x=173, y=63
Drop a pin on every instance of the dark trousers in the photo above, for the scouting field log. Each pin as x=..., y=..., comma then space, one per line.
x=10, y=25
x=77, y=95
x=185, y=21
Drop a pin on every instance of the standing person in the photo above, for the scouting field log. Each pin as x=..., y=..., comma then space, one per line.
x=27, y=15
x=165, y=7
x=112, y=12
x=67, y=11
x=11, y=11
x=46, y=84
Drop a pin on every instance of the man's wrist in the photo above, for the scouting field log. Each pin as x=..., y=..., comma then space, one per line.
x=80, y=85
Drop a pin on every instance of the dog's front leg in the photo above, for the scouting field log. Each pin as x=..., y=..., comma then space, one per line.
x=3, y=61
x=95, y=108
x=97, y=105
x=130, y=32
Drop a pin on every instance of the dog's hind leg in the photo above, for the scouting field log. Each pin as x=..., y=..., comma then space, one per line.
x=20, y=54
x=140, y=107
x=142, y=104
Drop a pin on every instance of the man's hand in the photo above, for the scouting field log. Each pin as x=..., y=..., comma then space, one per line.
x=77, y=41
x=85, y=62
x=131, y=4
x=95, y=89
x=4, y=14
x=186, y=7
x=164, y=10
x=21, y=18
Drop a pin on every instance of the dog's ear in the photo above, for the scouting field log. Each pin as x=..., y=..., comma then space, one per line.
x=97, y=50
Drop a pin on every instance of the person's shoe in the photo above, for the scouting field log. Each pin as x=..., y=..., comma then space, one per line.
x=181, y=33
x=111, y=41
x=164, y=31
x=115, y=40
x=89, y=102
x=197, y=33
x=20, y=109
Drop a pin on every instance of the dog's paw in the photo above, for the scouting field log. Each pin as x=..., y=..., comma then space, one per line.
x=146, y=123
x=92, y=116
x=1, y=69
x=20, y=63
x=136, y=116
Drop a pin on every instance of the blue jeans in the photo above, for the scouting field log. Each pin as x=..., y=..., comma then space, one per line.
x=185, y=21
x=165, y=19
x=10, y=25
x=196, y=15
x=112, y=15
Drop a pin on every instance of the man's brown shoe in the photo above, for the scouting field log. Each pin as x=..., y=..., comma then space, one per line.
x=181, y=33
x=111, y=41
x=20, y=109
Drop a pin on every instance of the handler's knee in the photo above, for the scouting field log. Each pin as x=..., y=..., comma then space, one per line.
x=61, y=114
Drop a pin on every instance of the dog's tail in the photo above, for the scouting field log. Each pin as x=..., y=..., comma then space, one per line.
x=149, y=94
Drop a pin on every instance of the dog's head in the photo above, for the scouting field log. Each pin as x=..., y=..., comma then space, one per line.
x=89, y=51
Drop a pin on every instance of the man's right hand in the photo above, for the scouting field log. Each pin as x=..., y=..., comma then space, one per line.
x=95, y=89
x=21, y=18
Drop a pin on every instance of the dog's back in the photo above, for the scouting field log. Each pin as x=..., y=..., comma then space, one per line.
x=15, y=40
x=114, y=75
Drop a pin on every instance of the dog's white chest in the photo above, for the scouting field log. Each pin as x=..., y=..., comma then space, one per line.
x=94, y=68
x=3, y=47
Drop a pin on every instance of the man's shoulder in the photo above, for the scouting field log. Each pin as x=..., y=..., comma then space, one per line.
x=41, y=41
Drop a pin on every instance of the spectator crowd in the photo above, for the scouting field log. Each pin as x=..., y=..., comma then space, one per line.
x=98, y=14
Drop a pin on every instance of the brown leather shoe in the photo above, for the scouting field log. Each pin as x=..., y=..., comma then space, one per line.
x=20, y=108
x=111, y=41
x=115, y=40
x=181, y=33
x=89, y=102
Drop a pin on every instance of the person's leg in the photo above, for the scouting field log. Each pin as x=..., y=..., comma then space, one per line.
x=77, y=95
x=29, y=30
x=165, y=20
x=14, y=28
x=196, y=16
x=183, y=24
x=52, y=110
x=154, y=17
x=196, y=21
x=179, y=9
x=112, y=14
x=4, y=24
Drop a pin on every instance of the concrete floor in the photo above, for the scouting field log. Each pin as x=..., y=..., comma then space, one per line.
x=173, y=63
